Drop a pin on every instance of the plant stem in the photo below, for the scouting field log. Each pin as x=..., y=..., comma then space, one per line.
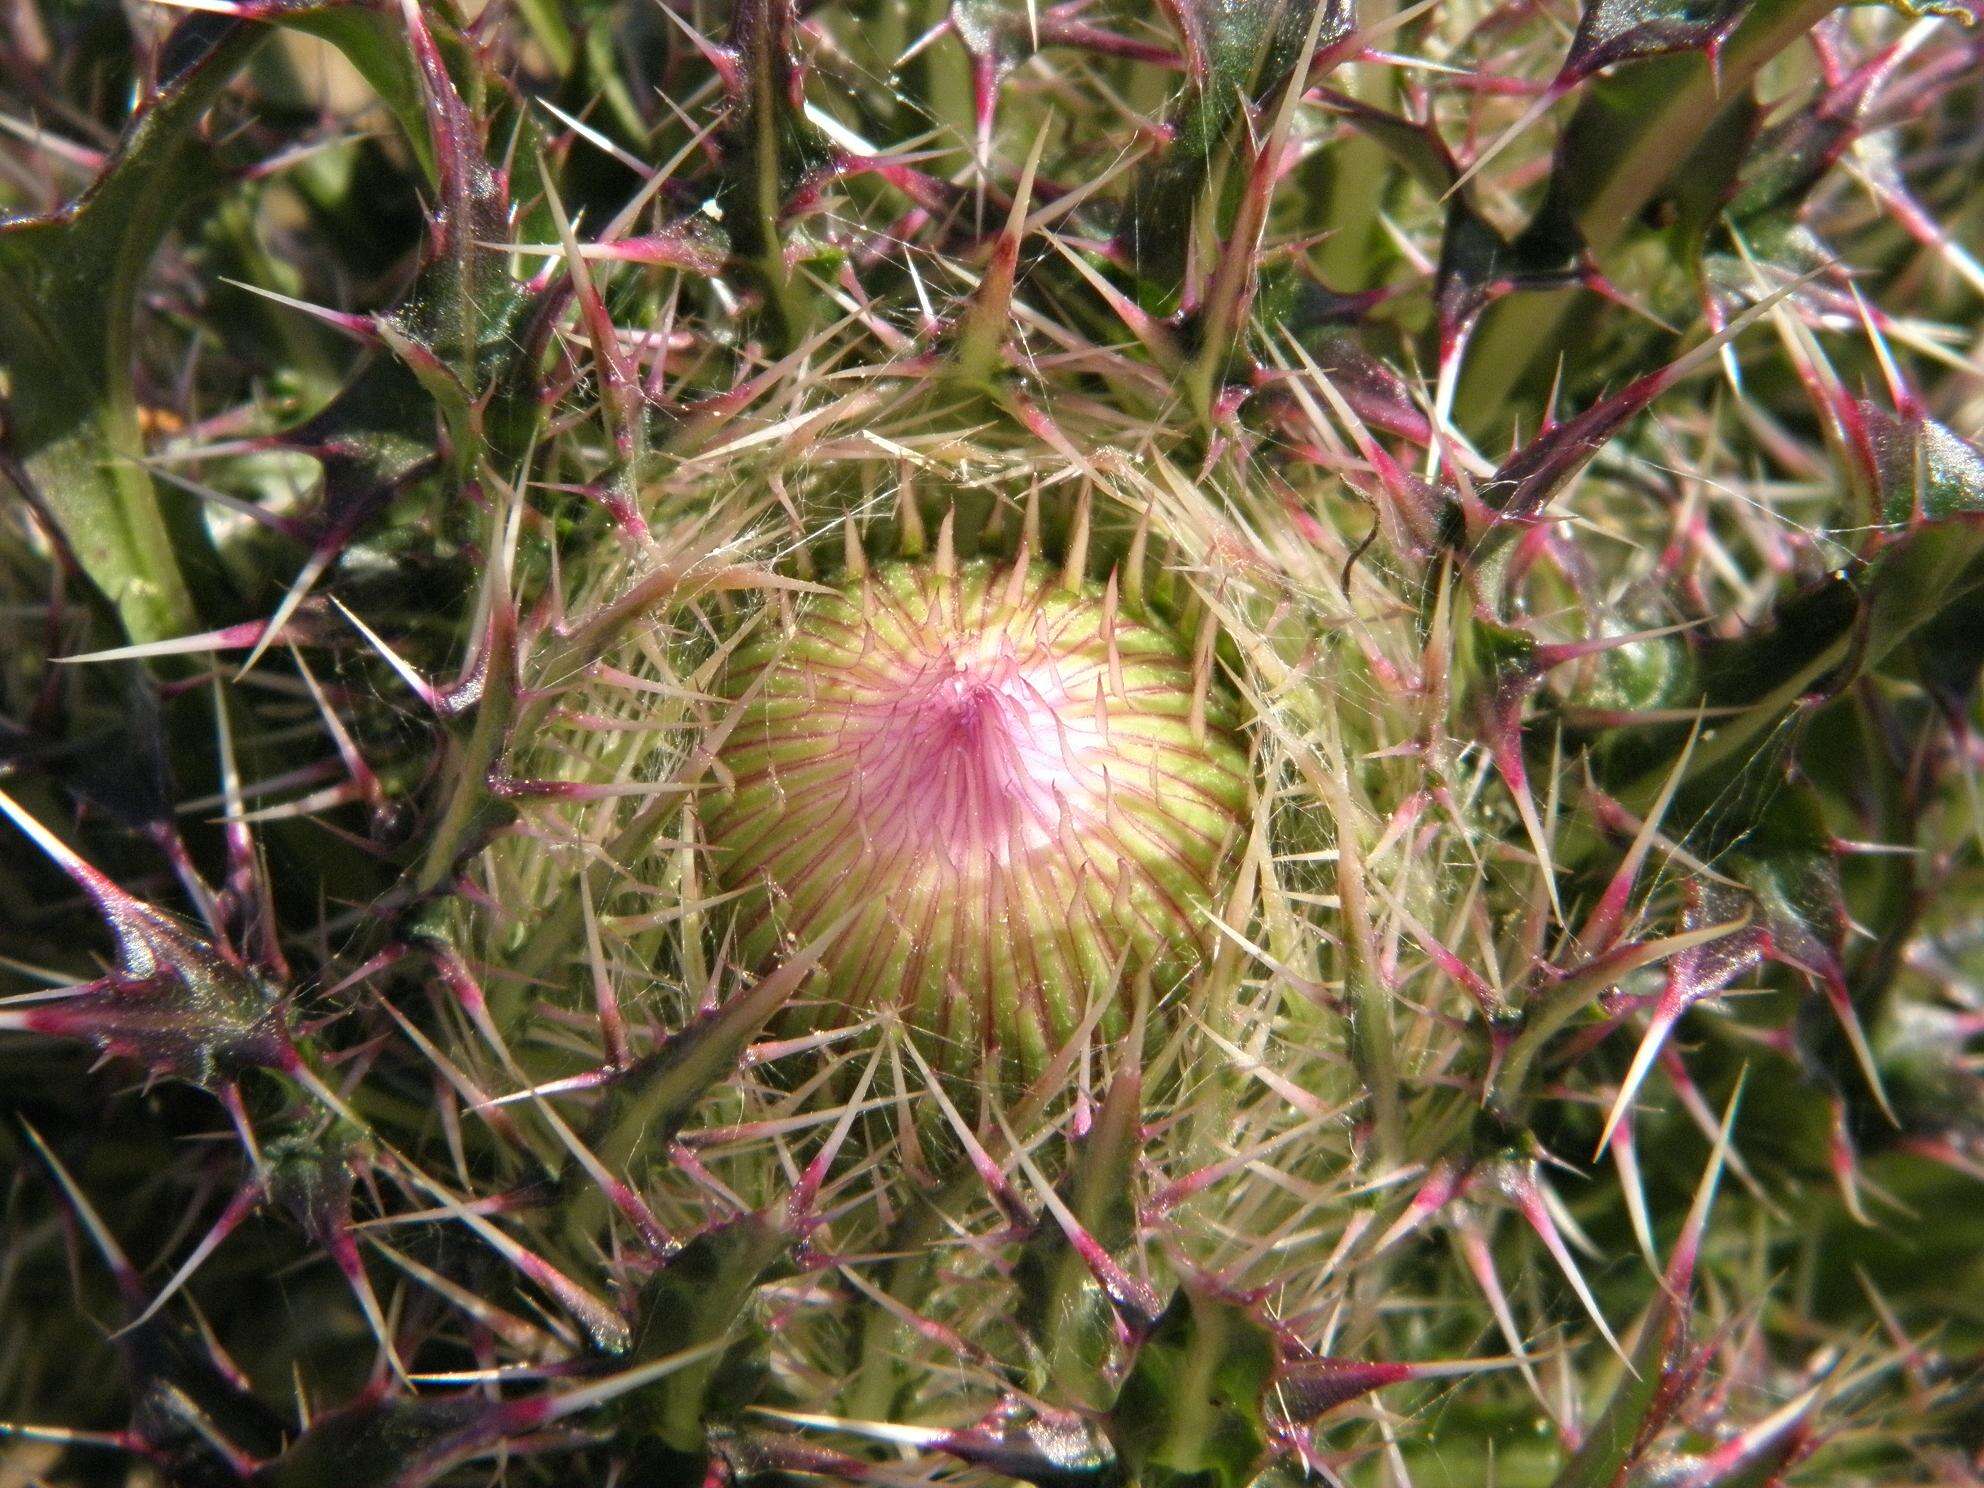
x=1372, y=1046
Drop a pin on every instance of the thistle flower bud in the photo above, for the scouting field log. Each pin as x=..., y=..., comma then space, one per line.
x=1030, y=798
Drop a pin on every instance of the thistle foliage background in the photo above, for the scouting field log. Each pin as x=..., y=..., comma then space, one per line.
x=1550, y=425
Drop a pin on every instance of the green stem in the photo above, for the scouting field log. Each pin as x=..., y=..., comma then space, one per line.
x=877, y=1375
x=1372, y=1045
x=481, y=752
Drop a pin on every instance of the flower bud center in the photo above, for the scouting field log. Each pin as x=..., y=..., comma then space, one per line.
x=973, y=759
x=1018, y=791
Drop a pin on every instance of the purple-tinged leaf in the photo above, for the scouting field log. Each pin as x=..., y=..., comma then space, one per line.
x=1922, y=472
x=1049, y=1450
x=175, y=1002
x=1307, y=1387
x=1789, y=159
x=1758, y=1455
x=1372, y=389
x=1697, y=972
x=313, y=1177
x=698, y=1297
x=1528, y=479
x=1614, y=31
x=1525, y=482
x=648, y=1103
x=1662, y=1368
x=1478, y=264
x=382, y=1440
x=1061, y=1306
x=1790, y=868
x=1633, y=129
x=1058, y=1450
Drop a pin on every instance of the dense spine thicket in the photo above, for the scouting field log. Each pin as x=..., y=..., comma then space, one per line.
x=894, y=741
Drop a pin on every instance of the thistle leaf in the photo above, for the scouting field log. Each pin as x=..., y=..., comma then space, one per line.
x=1922, y=471
x=1632, y=130
x=697, y=1298
x=69, y=285
x=1658, y=1375
x=770, y=150
x=1614, y=31
x=646, y=1108
x=1190, y=1413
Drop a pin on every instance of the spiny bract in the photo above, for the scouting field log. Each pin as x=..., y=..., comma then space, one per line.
x=905, y=741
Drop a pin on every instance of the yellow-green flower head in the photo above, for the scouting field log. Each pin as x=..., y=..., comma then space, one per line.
x=1028, y=796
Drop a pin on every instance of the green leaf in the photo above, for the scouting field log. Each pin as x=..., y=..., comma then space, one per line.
x=1787, y=862
x=1816, y=645
x=374, y=1444
x=697, y=1298
x=1662, y=1370
x=645, y=1109
x=69, y=286
x=1419, y=148
x=1922, y=471
x=1634, y=128
x=1239, y=53
x=1707, y=179
x=1190, y=1412
x=374, y=43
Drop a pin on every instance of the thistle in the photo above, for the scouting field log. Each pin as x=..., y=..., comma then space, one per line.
x=1018, y=791
x=907, y=742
